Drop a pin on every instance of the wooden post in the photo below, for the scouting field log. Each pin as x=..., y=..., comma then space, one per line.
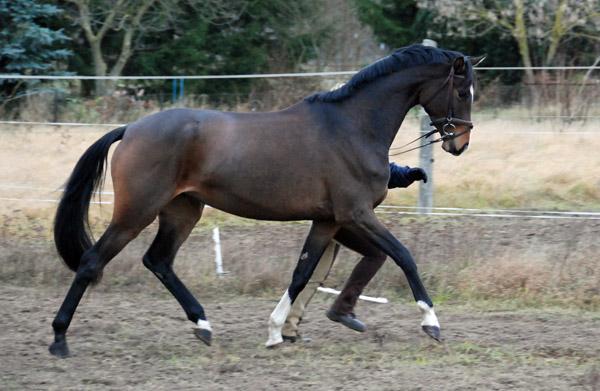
x=426, y=159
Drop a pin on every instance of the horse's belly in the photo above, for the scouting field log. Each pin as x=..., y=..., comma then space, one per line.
x=270, y=207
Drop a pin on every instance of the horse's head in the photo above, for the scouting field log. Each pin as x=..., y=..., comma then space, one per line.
x=448, y=102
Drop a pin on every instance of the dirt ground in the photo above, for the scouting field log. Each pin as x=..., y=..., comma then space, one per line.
x=135, y=341
x=136, y=337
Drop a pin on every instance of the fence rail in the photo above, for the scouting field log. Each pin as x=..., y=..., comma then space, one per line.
x=116, y=125
x=66, y=101
x=382, y=209
x=123, y=109
x=256, y=76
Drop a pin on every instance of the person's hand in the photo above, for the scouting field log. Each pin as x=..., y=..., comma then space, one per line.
x=417, y=174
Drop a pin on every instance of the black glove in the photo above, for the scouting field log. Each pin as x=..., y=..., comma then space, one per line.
x=417, y=174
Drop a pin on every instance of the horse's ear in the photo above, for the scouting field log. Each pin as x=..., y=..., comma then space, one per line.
x=477, y=60
x=460, y=65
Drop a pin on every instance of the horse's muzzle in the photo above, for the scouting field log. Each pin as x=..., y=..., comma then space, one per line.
x=451, y=147
x=457, y=141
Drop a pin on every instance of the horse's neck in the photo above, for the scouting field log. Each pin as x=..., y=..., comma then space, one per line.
x=382, y=105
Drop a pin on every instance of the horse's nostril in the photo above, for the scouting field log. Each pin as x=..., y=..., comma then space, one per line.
x=463, y=149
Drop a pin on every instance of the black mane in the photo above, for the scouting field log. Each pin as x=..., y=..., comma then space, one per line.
x=403, y=58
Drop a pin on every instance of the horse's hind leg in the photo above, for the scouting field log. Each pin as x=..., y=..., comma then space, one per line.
x=364, y=271
x=176, y=221
x=89, y=271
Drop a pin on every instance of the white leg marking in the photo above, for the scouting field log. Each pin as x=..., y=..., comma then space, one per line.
x=277, y=319
x=203, y=324
x=429, y=318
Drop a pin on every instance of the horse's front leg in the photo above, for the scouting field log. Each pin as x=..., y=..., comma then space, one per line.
x=316, y=242
x=369, y=227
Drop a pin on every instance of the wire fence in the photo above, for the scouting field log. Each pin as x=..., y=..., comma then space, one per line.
x=40, y=110
x=52, y=195
x=262, y=76
x=563, y=94
x=93, y=128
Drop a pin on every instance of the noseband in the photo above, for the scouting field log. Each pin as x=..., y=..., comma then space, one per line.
x=448, y=122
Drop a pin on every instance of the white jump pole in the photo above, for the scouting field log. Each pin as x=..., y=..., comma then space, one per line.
x=379, y=300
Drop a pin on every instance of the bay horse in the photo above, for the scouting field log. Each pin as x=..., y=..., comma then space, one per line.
x=323, y=159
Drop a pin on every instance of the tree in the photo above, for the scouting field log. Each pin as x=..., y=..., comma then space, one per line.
x=114, y=29
x=186, y=36
x=398, y=23
x=540, y=28
x=269, y=36
x=395, y=22
x=129, y=18
x=348, y=43
x=26, y=45
x=201, y=44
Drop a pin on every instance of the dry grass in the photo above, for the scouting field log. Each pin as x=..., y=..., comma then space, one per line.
x=526, y=171
x=459, y=258
x=532, y=278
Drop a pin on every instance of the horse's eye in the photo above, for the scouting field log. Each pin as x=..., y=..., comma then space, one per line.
x=462, y=95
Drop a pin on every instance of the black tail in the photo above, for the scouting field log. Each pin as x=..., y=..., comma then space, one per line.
x=71, y=225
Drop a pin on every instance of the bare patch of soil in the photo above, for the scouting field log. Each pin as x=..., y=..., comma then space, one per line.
x=129, y=341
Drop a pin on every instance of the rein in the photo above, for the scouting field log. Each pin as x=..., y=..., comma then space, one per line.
x=448, y=121
x=443, y=137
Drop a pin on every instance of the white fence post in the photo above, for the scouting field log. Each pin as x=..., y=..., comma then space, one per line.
x=218, y=258
x=426, y=159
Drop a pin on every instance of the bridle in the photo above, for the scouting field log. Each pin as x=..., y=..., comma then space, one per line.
x=446, y=122
x=449, y=120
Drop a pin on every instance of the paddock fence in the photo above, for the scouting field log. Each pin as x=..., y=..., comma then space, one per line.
x=60, y=108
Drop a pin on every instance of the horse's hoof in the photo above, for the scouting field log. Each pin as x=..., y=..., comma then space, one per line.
x=433, y=332
x=59, y=349
x=274, y=346
x=204, y=335
x=273, y=342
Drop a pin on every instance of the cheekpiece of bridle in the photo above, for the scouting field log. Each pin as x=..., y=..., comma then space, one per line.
x=448, y=123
